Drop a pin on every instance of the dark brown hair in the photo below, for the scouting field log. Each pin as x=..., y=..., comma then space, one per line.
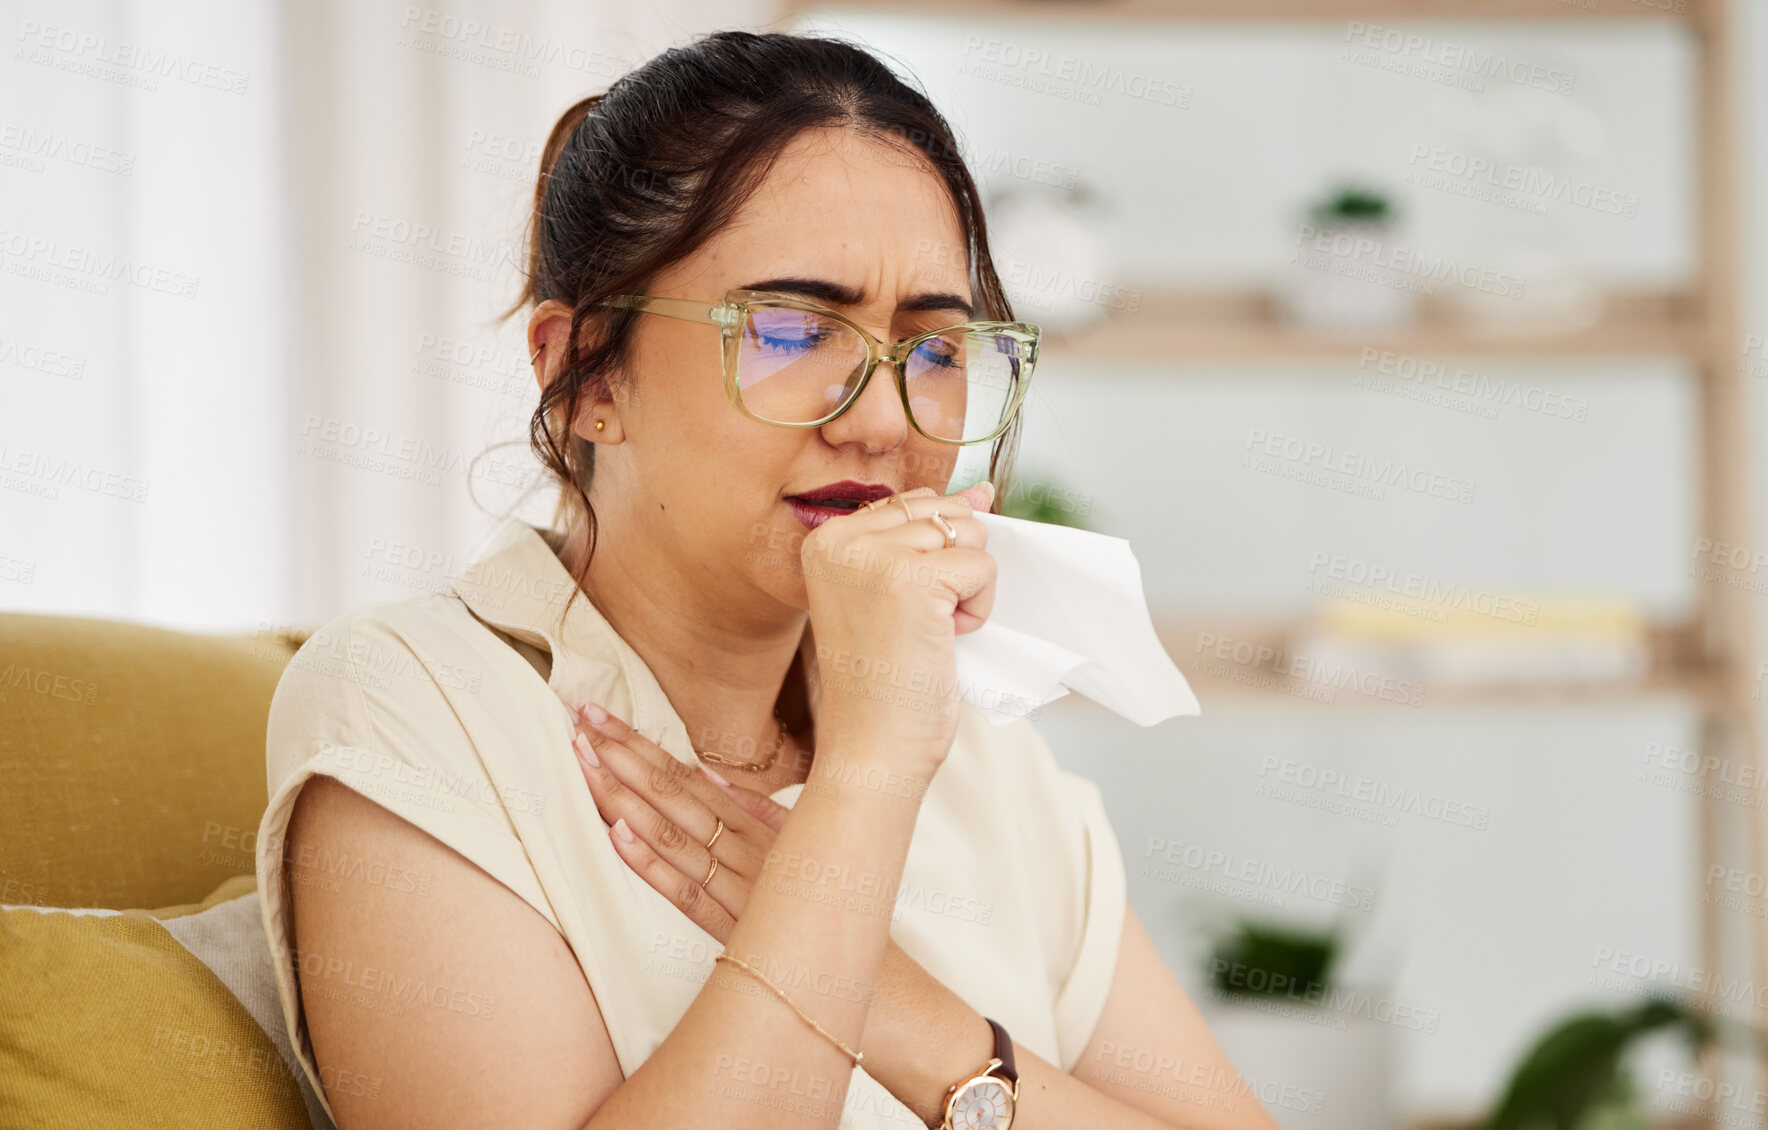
x=635, y=179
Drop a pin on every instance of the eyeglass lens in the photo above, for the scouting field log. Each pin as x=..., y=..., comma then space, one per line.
x=796, y=366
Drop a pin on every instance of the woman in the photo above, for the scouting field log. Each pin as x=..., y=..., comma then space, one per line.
x=672, y=817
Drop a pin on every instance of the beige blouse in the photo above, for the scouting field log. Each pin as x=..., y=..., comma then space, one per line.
x=445, y=708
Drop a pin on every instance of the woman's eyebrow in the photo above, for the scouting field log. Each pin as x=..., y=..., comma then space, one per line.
x=835, y=294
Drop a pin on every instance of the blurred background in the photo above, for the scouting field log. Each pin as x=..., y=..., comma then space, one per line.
x=1416, y=348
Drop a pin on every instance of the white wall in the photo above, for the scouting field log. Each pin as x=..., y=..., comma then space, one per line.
x=1495, y=931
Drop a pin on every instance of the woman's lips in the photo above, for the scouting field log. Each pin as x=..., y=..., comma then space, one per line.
x=813, y=515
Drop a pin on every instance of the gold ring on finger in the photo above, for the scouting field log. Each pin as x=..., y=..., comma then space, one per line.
x=877, y=502
x=710, y=871
x=951, y=531
x=719, y=831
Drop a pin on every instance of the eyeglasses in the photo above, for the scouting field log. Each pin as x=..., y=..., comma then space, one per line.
x=795, y=363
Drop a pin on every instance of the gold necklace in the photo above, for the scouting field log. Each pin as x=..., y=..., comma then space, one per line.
x=750, y=766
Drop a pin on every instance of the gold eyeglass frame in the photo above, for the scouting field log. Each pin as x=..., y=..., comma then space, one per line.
x=731, y=313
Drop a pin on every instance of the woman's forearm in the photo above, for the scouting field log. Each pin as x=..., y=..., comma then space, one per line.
x=921, y=1037
x=817, y=924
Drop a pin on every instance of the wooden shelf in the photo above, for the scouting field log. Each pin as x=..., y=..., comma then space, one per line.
x=1247, y=325
x=1258, y=11
x=1675, y=671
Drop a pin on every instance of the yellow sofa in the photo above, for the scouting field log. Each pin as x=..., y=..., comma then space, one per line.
x=132, y=762
x=132, y=759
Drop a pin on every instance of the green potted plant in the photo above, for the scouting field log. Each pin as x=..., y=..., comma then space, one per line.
x=1341, y=276
x=1320, y=1050
x=1574, y=1077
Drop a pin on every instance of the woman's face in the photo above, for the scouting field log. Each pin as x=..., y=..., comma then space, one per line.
x=843, y=219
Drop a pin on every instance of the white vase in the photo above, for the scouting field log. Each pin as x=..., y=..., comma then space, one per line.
x=1313, y=1068
x=1340, y=280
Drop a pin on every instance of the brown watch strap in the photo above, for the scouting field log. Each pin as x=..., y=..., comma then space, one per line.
x=1004, y=1052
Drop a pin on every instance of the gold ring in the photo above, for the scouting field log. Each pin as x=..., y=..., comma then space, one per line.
x=877, y=502
x=719, y=832
x=711, y=871
x=951, y=531
x=905, y=506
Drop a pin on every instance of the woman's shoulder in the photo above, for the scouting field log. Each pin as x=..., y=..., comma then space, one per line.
x=372, y=644
x=382, y=676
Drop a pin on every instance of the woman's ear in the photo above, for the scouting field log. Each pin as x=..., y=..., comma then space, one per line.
x=549, y=328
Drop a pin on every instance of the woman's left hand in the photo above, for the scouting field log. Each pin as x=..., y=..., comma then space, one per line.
x=671, y=810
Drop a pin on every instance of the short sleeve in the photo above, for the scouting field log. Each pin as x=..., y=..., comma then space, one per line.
x=378, y=700
x=1090, y=898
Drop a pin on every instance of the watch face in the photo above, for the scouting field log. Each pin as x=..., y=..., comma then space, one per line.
x=984, y=1105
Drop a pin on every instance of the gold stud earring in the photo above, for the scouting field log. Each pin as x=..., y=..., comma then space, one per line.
x=598, y=425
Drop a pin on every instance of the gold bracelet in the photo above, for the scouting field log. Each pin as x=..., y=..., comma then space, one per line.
x=856, y=1057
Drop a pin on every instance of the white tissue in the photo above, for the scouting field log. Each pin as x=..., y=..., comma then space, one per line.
x=1069, y=614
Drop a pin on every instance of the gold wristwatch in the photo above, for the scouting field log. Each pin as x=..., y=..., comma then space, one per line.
x=986, y=1100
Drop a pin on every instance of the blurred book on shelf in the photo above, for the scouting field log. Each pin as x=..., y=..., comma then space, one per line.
x=1499, y=640
x=1497, y=647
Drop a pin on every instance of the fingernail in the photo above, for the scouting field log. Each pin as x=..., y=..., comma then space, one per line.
x=572, y=715
x=621, y=830
x=713, y=773
x=586, y=751
x=595, y=714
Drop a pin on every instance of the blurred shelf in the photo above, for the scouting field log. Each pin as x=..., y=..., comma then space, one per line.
x=1175, y=326
x=1674, y=671
x=1253, y=11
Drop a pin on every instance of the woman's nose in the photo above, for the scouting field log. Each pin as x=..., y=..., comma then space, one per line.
x=876, y=419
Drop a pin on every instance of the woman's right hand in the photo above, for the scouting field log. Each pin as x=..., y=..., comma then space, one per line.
x=887, y=603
